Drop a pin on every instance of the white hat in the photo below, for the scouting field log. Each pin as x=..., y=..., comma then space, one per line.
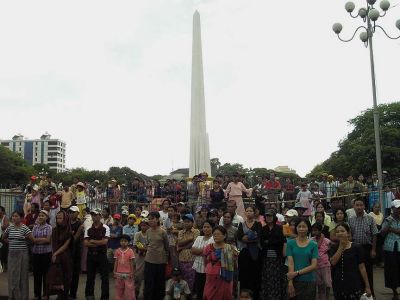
x=124, y=207
x=74, y=208
x=144, y=214
x=80, y=184
x=96, y=211
x=125, y=213
x=97, y=181
x=396, y=203
x=292, y=213
x=45, y=212
x=35, y=187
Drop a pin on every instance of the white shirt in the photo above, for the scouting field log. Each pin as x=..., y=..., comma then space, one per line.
x=163, y=216
x=235, y=222
x=200, y=243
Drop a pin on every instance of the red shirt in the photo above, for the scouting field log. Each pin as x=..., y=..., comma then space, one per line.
x=124, y=260
x=54, y=200
x=30, y=219
x=271, y=185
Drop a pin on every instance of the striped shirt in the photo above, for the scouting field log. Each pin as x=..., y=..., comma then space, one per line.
x=17, y=236
x=41, y=231
x=200, y=243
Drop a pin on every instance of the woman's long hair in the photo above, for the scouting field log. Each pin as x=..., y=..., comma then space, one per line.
x=62, y=232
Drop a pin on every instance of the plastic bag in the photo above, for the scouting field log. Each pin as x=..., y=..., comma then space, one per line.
x=365, y=297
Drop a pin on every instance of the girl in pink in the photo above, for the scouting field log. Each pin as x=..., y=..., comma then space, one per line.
x=323, y=273
x=124, y=270
x=234, y=191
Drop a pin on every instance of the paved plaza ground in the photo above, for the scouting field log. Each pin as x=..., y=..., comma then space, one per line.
x=381, y=292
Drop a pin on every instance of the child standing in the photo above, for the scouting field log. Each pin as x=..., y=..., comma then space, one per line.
x=176, y=288
x=323, y=273
x=305, y=198
x=124, y=270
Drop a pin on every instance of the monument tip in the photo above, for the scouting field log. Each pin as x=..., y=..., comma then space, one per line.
x=196, y=13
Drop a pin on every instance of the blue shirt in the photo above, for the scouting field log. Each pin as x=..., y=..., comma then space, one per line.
x=130, y=230
x=391, y=238
x=302, y=257
x=113, y=242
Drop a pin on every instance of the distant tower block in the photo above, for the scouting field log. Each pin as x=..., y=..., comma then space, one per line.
x=199, y=146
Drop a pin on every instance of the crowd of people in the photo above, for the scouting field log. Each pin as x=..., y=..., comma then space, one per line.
x=203, y=239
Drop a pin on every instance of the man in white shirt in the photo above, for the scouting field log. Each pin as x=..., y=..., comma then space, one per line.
x=237, y=219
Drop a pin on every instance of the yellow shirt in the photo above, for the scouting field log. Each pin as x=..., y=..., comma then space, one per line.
x=185, y=255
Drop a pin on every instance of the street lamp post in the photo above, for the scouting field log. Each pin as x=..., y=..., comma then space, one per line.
x=370, y=15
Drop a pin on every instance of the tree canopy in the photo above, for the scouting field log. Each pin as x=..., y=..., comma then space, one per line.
x=250, y=173
x=13, y=168
x=356, y=154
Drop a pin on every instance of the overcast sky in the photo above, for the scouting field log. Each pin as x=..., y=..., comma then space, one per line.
x=112, y=79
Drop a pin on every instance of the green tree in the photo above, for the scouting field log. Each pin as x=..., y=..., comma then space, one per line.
x=215, y=165
x=356, y=154
x=13, y=168
x=43, y=168
x=229, y=169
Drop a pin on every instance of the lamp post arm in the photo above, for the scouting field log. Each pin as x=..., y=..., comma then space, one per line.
x=354, y=34
x=384, y=31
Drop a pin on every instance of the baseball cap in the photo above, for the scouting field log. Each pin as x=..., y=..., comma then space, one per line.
x=125, y=212
x=45, y=212
x=95, y=211
x=188, y=217
x=117, y=216
x=291, y=213
x=74, y=208
x=144, y=220
x=144, y=214
x=80, y=184
x=396, y=203
x=133, y=216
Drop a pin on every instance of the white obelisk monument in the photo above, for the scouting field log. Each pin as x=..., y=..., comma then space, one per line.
x=199, y=147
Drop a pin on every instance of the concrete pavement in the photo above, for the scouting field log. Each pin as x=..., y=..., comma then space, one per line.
x=381, y=292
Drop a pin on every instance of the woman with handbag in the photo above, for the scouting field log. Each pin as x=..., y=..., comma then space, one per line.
x=59, y=275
